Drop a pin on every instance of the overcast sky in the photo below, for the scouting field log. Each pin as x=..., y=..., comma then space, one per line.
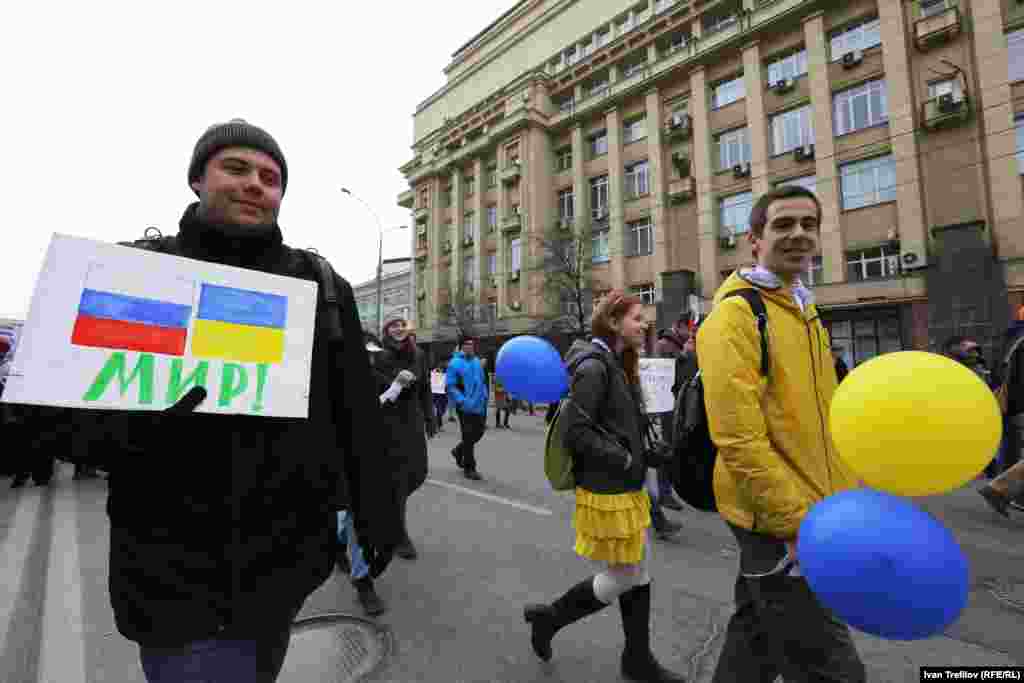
x=103, y=102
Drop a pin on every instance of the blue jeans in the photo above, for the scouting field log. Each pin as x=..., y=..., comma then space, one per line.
x=347, y=538
x=247, y=659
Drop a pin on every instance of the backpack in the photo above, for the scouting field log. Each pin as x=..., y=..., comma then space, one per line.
x=691, y=468
x=1002, y=396
x=558, y=463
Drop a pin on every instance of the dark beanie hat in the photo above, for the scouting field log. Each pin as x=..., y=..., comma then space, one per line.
x=234, y=133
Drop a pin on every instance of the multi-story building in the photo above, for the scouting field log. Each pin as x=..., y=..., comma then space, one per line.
x=648, y=129
x=396, y=294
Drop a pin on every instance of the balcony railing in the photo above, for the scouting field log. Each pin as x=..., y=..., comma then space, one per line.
x=945, y=111
x=937, y=24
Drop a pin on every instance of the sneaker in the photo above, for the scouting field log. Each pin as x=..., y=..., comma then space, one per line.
x=997, y=501
x=472, y=474
x=368, y=599
x=458, y=458
x=406, y=550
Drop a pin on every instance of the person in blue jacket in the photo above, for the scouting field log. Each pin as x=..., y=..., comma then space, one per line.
x=468, y=391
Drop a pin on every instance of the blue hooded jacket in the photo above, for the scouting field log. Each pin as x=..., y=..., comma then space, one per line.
x=466, y=385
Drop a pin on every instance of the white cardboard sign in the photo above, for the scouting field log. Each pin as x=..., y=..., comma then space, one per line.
x=115, y=327
x=657, y=375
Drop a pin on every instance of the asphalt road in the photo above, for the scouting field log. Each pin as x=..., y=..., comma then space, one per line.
x=486, y=548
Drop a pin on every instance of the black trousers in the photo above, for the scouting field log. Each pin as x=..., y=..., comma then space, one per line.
x=472, y=427
x=779, y=627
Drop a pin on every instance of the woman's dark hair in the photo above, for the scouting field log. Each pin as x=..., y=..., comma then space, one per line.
x=610, y=309
x=759, y=214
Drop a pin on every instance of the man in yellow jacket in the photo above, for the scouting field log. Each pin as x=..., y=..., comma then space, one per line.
x=776, y=458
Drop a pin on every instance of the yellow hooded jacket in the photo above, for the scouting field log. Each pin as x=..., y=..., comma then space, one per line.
x=776, y=457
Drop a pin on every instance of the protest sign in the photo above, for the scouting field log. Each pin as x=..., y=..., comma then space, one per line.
x=657, y=375
x=120, y=328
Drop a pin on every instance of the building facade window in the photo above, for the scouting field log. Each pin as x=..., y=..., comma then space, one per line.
x=469, y=273
x=868, y=182
x=872, y=264
x=598, y=144
x=602, y=37
x=808, y=182
x=733, y=148
x=469, y=182
x=734, y=213
x=492, y=175
x=512, y=155
x=599, y=197
x=637, y=180
x=792, y=129
x=492, y=218
x=635, y=129
x=791, y=66
x=469, y=227
x=571, y=55
x=947, y=86
x=857, y=37
x=492, y=262
x=727, y=92
x=566, y=204
x=1020, y=144
x=599, y=246
x=598, y=86
x=861, y=107
x=645, y=292
x=639, y=238
x=1015, y=46
x=867, y=335
x=563, y=159
x=516, y=255
x=676, y=41
x=930, y=8
x=634, y=65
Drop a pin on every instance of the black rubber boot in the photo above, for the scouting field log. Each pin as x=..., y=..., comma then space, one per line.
x=405, y=549
x=546, y=620
x=638, y=662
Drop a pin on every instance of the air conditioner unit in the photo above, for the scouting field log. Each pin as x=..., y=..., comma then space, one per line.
x=804, y=153
x=853, y=58
x=949, y=103
x=728, y=239
x=679, y=122
x=515, y=305
x=892, y=264
x=741, y=170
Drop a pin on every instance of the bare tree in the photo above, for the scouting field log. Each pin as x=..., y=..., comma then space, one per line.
x=460, y=313
x=567, y=285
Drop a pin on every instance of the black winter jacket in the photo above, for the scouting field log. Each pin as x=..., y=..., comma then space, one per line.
x=404, y=421
x=600, y=389
x=231, y=523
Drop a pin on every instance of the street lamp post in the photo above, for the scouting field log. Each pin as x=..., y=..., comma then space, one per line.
x=380, y=258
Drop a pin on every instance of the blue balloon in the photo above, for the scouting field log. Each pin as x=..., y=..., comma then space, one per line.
x=531, y=368
x=883, y=565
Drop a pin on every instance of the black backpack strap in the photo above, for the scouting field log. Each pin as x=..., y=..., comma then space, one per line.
x=756, y=303
x=327, y=294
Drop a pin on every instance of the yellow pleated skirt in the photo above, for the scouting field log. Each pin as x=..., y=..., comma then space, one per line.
x=612, y=527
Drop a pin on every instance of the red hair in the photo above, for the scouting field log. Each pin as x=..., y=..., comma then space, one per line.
x=610, y=309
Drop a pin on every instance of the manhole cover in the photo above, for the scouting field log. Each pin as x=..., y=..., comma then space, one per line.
x=334, y=648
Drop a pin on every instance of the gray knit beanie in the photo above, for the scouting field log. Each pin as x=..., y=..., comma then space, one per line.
x=234, y=133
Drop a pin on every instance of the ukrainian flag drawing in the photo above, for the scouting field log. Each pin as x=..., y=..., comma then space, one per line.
x=112, y=320
x=239, y=325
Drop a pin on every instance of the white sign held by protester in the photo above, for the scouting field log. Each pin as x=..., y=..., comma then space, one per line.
x=657, y=375
x=120, y=328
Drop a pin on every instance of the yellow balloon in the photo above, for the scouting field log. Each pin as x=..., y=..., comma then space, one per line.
x=915, y=423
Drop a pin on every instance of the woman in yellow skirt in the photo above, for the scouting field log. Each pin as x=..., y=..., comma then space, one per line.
x=604, y=433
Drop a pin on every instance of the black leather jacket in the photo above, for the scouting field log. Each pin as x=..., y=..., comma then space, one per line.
x=601, y=442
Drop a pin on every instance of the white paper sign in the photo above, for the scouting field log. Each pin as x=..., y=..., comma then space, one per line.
x=657, y=375
x=437, y=382
x=115, y=327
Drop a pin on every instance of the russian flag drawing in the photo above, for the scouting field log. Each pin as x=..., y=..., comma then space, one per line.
x=112, y=320
x=239, y=324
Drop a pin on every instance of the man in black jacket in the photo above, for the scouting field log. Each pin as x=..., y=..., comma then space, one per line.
x=222, y=525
